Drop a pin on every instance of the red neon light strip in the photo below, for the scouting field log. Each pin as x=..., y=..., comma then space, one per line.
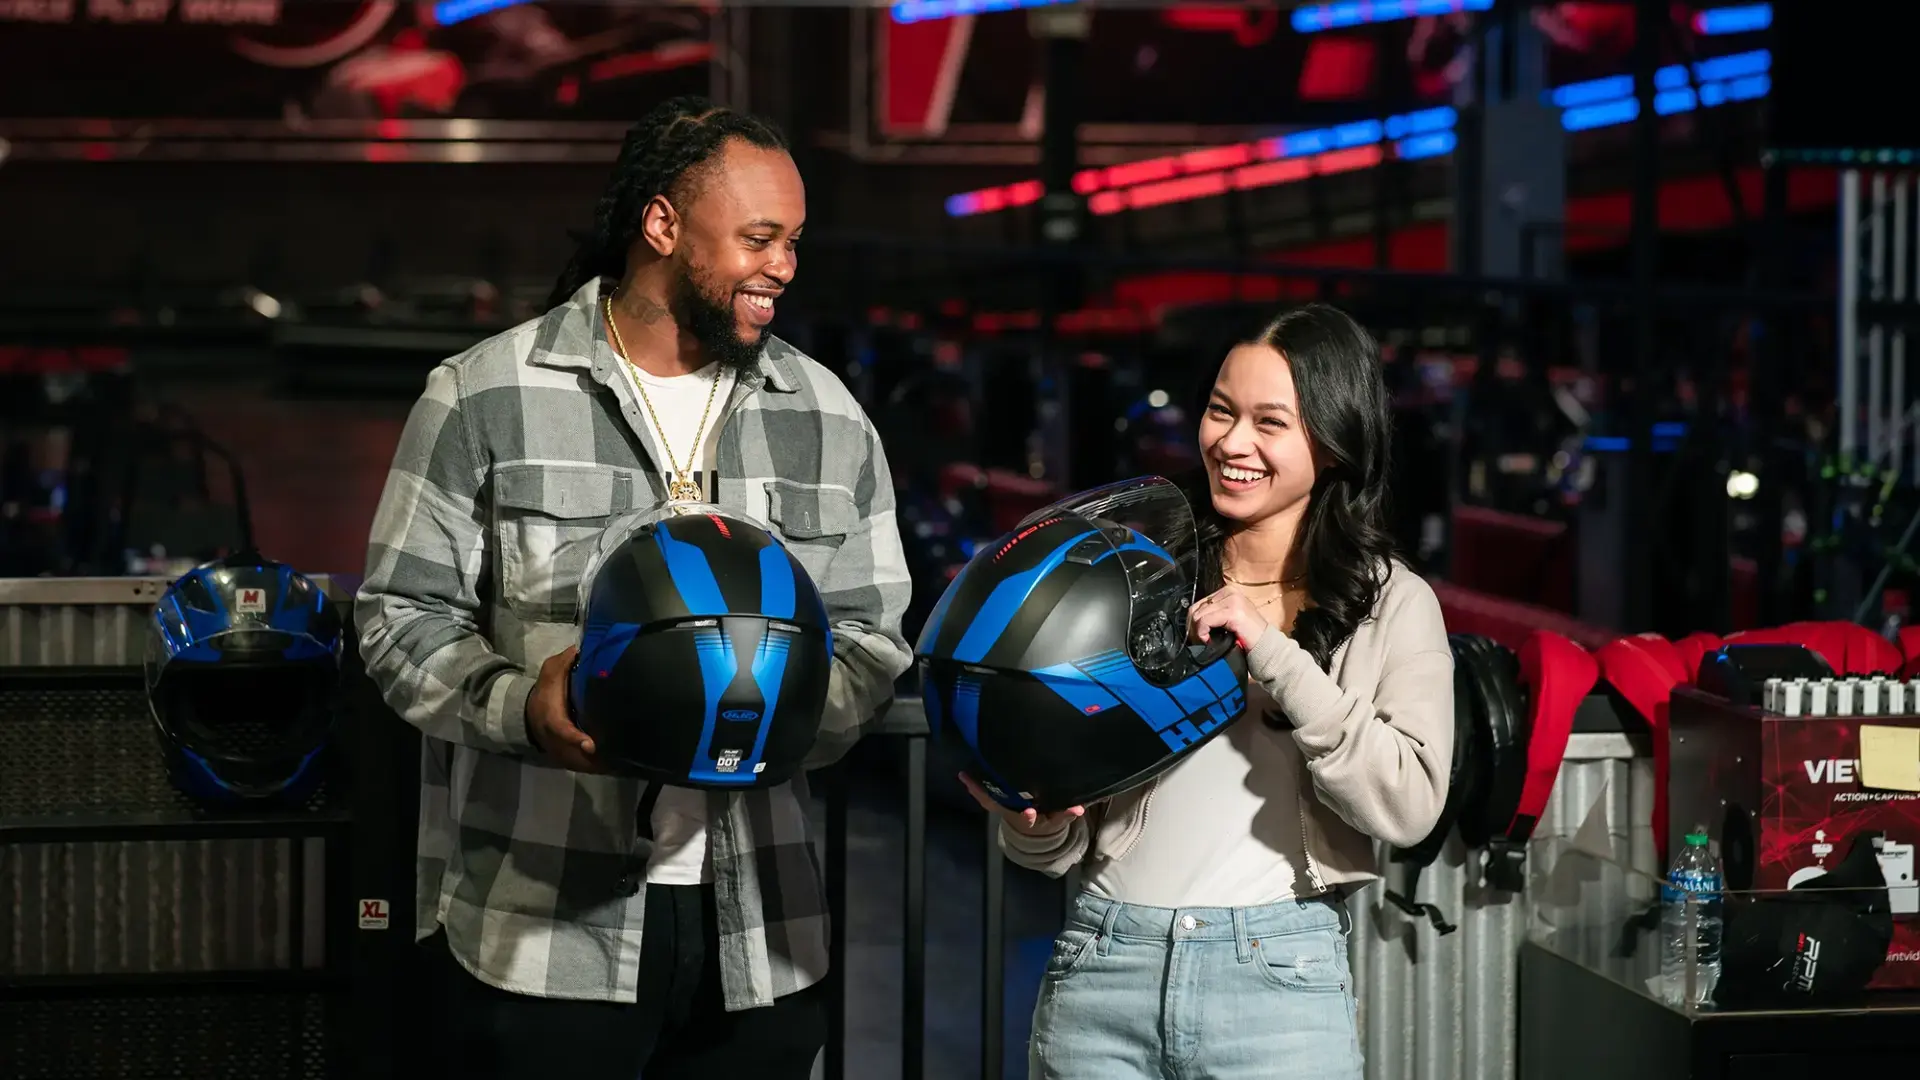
x=1692, y=204
x=1157, y=173
x=1206, y=171
x=1139, y=196
x=677, y=54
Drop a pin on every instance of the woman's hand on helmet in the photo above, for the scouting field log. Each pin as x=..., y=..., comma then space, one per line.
x=549, y=727
x=1026, y=821
x=1227, y=611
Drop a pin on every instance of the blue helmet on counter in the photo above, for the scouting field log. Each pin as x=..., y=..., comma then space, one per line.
x=1058, y=660
x=242, y=677
x=705, y=651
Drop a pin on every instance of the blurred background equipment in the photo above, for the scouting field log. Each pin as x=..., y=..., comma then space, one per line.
x=172, y=513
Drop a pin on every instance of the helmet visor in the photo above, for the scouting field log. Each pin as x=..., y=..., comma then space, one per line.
x=1147, y=525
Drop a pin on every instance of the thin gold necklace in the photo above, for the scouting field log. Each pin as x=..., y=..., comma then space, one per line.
x=681, y=487
x=1289, y=584
x=1286, y=588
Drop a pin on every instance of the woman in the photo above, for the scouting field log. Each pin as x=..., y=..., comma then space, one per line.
x=1211, y=937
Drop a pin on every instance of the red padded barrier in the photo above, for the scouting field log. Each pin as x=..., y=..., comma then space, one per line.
x=1509, y=622
x=1513, y=556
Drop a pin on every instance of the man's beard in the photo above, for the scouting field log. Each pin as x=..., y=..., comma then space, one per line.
x=711, y=320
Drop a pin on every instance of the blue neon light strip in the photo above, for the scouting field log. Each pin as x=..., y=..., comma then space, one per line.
x=1671, y=77
x=1585, y=106
x=1350, y=13
x=1359, y=133
x=1315, y=18
x=1441, y=118
x=1415, y=134
x=1667, y=102
x=1310, y=19
x=1665, y=440
x=449, y=12
x=1436, y=144
x=1742, y=19
x=913, y=11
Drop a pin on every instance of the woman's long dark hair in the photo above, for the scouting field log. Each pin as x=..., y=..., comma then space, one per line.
x=659, y=153
x=1344, y=541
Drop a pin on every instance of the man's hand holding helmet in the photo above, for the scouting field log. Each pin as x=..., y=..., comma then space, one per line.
x=548, y=726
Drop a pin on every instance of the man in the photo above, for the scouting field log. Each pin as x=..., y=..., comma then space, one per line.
x=588, y=940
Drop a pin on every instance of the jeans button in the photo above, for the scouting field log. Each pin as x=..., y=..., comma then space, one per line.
x=1186, y=922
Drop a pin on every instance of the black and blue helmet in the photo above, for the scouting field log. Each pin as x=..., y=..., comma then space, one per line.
x=704, y=651
x=1058, y=660
x=242, y=676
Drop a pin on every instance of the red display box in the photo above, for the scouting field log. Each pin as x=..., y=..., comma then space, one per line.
x=1796, y=779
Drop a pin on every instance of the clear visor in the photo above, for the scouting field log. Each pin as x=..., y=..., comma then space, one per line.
x=1147, y=524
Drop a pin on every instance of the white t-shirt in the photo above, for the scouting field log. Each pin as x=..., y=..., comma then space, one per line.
x=680, y=817
x=1227, y=827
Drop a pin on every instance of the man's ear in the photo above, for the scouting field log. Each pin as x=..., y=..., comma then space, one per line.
x=660, y=226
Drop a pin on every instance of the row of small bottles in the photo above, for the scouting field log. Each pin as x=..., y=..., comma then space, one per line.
x=1854, y=695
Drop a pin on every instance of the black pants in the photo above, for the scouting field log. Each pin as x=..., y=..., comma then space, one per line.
x=678, y=1029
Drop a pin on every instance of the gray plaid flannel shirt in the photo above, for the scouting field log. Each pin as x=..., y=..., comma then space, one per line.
x=515, y=458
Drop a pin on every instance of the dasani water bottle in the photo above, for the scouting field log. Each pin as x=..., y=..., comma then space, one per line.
x=1696, y=872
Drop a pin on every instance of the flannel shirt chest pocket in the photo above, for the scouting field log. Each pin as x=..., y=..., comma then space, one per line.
x=548, y=518
x=813, y=520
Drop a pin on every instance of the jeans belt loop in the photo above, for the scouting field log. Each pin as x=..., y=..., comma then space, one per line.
x=1242, y=941
x=1107, y=919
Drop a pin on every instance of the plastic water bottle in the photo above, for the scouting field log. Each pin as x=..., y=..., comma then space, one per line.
x=1696, y=872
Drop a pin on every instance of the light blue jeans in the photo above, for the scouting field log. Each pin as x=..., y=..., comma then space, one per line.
x=1145, y=993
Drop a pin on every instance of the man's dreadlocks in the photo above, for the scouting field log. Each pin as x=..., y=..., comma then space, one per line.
x=659, y=156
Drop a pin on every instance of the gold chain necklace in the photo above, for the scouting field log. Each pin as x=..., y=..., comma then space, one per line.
x=1287, y=588
x=681, y=487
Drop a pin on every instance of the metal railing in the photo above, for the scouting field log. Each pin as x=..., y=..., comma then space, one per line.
x=905, y=728
x=906, y=725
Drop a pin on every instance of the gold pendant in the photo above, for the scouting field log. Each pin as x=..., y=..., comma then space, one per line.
x=684, y=491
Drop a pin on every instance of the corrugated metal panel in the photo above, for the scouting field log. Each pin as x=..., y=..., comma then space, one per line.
x=166, y=906
x=1444, y=1008
x=157, y=906
x=69, y=635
